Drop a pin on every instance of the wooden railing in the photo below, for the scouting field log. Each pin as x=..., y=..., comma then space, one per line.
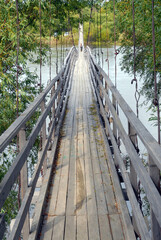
x=58, y=91
x=109, y=100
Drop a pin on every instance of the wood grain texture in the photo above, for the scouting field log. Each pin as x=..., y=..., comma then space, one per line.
x=85, y=198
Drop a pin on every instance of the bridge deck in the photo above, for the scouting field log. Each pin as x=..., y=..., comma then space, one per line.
x=81, y=202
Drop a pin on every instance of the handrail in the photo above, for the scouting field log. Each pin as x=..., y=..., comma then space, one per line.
x=11, y=132
x=60, y=95
x=149, y=141
x=150, y=182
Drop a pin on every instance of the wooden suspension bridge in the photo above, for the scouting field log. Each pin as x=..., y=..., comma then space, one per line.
x=84, y=185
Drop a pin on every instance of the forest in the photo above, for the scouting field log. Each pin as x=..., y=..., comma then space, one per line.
x=35, y=27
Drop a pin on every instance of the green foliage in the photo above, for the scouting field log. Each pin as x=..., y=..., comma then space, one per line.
x=28, y=82
x=144, y=47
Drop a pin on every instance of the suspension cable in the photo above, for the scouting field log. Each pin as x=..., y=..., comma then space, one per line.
x=90, y=23
x=71, y=30
x=57, y=56
x=101, y=34
x=137, y=94
x=95, y=32
x=50, y=46
x=67, y=37
x=17, y=59
x=63, y=50
x=98, y=53
x=107, y=60
x=40, y=46
x=61, y=44
x=115, y=42
x=156, y=100
x=17, y=94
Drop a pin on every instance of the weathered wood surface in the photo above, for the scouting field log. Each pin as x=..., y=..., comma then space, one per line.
x=13, y=172
x=149, y=182
x=61, y=92
x=148, y=140
x=82, y=202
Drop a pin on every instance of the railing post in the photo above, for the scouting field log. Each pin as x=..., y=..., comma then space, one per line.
x=106, y=106
x=100, y=90
x=2, y=225
x=61, y=91
x=155, y=176
x=43, y=137
x=114, y=125
x=24, y=183
x=59, y=94
x=133, y=175
x=53, y=112
x=115, y=132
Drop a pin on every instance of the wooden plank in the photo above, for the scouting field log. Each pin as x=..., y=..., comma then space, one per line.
x=97, y=173
x=90, y=189
x=155, y=175
x=105, y=228
x=63, y=187
x=93, y=227
x=71, y=195
x=47, y=229
x=70, y=228
x=24, y=183
x=80, y=176
x=55, y=183
x=106, y=178
x=92, y=217
x=116, y=226
x=58, y=228
x=100, y=196
x=61, y=199
x=82, y=228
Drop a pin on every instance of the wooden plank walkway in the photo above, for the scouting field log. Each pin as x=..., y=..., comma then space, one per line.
x=82, y=200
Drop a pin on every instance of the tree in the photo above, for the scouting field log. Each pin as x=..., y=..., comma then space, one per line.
x=144, y=44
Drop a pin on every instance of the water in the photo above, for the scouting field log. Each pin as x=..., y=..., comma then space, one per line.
x=45, y=68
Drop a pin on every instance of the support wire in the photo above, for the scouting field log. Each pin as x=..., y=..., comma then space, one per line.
x=156, y=98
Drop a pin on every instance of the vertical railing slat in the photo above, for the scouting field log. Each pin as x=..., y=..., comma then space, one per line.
x=53, y=112
x=133, y=174
x=43, y=136
x=24, y=183
x=155, y=175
